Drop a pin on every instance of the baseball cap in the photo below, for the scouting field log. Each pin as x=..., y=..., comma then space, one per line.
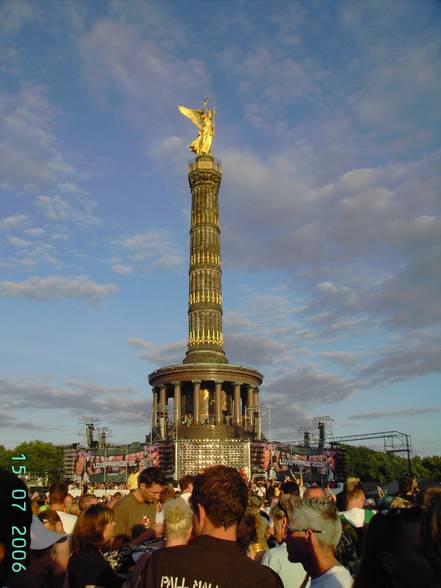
x=41, y=538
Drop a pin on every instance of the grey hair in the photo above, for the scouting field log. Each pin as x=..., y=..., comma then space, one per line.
x=319, y=514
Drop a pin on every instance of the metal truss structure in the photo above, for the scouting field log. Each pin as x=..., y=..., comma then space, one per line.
x=393, y=442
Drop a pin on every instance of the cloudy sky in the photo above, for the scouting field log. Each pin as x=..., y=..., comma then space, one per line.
x=328, y=130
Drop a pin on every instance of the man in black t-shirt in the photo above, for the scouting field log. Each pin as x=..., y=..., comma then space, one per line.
x=213, y=559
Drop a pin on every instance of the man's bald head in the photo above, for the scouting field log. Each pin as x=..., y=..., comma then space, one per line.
x=314, y=492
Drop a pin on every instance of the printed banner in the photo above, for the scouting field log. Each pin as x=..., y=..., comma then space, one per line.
x=114, y=464
x=273, y=459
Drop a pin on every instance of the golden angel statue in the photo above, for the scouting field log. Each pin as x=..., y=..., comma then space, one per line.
x=204, y=120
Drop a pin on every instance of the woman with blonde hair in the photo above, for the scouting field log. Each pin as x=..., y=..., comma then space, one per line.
x=92, y=533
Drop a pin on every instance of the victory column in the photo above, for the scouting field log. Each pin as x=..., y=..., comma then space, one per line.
x=215, y=413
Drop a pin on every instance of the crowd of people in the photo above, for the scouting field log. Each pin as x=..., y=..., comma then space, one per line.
x=218, y=530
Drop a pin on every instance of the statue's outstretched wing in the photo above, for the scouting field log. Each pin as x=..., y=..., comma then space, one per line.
x=194, y=115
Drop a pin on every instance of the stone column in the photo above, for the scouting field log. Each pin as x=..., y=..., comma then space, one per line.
x=250, y=407
x=258, y=428
x=256, y=411
x=256, y=402
x=236, y=416
x=162, y=410
x=218, y=403
x=162, y=399
x=205, y=338
x=154, y=409
x=196, y=390
x=177, y=402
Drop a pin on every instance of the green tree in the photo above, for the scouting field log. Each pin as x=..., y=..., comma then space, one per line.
x=42, y=458
x=419, y=469
x=367, y=464
x=433, y=466
x=5, y=457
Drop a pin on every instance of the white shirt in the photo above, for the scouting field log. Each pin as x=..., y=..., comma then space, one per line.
x=335, y=577
x=185, y=496
x=355, y=516
x=292, y=574
x=68, y=521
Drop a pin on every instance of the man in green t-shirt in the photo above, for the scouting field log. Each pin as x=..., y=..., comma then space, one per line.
x=139, y=507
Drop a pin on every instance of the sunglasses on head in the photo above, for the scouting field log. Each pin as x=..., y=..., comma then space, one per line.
x=293, y=529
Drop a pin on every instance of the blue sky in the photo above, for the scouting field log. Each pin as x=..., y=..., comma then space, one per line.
x=328, y=130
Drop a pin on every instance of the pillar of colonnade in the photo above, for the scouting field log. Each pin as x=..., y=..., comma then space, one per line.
x=248, y=415
x=177, y=401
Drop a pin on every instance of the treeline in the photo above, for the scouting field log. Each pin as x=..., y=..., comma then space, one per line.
x=41, y=458
x=364, y=463
x=367, y=464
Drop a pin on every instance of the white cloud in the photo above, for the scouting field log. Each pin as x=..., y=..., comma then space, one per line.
x=277, y=79
x=17, y=242
x=149, y=74
x=327, y=287
x=170, y=146
x=76, y=397
x=60, y=237
x=13, y=221
x=346, y=358
x=121, y=269
x=14, y=14
x=79, y=210
x=364, y=246
x=29, y=151
x=10, y=421
x=399, y=87
x=402, y=412
x=234, y=319
x=153, y=246
x=309, y=386
x=36, y=232
x=170, y=353
x=248, y=348
x=57, y=287
x=411, y=355
x=70, y=188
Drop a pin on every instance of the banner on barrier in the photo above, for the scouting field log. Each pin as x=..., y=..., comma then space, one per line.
x=115, y=464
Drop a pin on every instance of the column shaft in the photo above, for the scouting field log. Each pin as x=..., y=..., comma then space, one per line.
x=162, y=399
x=237, y=403
x=250, y=407
x=177, y=402
x=256, y=402
x=154, y=409
x=205, y=339
x=196, y=391
x=218, y=402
